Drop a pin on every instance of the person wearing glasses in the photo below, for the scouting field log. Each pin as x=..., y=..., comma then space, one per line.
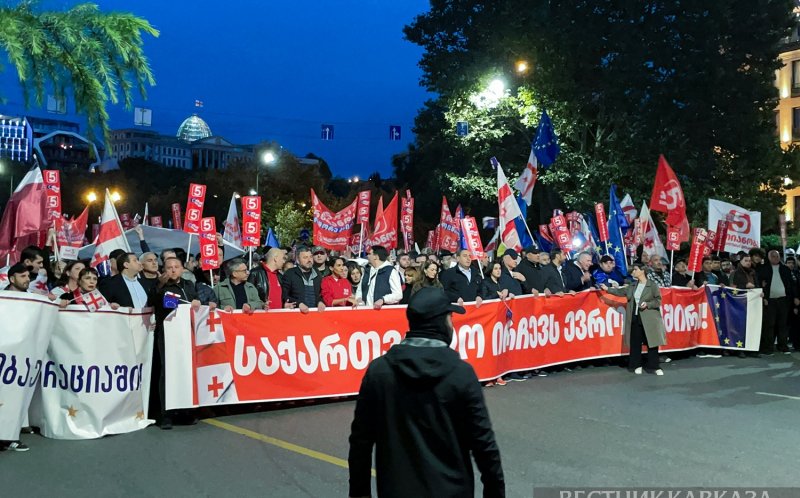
x=643, y=322
x=235, y=292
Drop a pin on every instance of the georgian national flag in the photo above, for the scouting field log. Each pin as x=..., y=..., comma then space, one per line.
x=93, y=300
x=651, y=244
x=4, y=277
x=111, y=236
x=207, y=327
x=628, y=208
x=527, y=180
x=215, y=384
x=509, y=210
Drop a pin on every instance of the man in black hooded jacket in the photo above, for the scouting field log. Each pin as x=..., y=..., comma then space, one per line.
x=422, y=408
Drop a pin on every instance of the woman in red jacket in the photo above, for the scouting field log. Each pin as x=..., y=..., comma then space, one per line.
x=335, y=288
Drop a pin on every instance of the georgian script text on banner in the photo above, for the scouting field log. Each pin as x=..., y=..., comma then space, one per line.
x=332, y=230
x=236, y=358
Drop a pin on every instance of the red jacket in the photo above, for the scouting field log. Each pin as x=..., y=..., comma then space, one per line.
x=335, y=288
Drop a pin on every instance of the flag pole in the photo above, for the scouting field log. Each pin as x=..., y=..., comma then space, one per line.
x=211, y=277
x=249, y=257
x=671, y=258
x=188, y=248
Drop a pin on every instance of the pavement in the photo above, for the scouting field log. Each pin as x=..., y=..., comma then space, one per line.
x=706, y=422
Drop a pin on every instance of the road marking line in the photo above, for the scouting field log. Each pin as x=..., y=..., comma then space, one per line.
x=779, y=395
x=286, y=445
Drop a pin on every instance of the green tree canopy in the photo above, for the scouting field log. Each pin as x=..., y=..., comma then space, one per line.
x=623, y=82
x=96, y=57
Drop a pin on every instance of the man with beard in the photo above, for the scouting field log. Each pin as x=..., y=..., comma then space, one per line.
x=320, y=257
x=302, y=284
x=530, y=267
x=422, y=408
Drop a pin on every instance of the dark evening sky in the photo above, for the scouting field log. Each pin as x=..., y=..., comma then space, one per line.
x=278, y=71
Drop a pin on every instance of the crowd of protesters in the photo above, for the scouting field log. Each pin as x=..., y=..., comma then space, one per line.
x=312, y=278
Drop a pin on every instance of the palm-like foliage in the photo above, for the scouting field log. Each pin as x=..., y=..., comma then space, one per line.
x=95, y=56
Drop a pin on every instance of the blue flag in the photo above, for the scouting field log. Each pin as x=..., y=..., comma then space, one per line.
x=271, y=239
x=545, y=144
x=616, y=245
x=462, y=241
x=599, y=248
x=524, y=239
x=171, y=300
x=729, y=309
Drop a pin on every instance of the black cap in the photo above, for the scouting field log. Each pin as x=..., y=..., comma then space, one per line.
x=430, y=302
x=16, y=269
x=511, y=252
x=531, y=250
x=445, y=252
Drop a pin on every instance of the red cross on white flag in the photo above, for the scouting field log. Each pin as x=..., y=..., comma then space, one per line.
x=111, y=236
x=208, y=328
x=215, y=384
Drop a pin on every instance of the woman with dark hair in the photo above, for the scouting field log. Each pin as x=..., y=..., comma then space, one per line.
x=429, y=277
x=495, y=282
x=643, y=322
x=336, y=289
x=87, y=283
x=69, y=278
x=354, y=276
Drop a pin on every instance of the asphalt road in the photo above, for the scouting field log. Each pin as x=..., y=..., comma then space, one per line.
x=707, y=422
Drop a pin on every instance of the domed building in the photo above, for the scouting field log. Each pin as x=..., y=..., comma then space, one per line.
x=193, y=147
x=193, y=128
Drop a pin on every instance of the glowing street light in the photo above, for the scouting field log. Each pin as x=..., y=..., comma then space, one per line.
x=252, y=191
x=490, y=97
x=268, y=157
x=522, y=67
x=91, y=196
x=115, y=196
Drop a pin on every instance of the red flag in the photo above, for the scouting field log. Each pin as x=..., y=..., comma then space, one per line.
x=561, y=233
x=385, y=233
x=668, y=198
x=697, y=252
x=407, y=220
x=363, y=207
x=673, y=239
x=429, y=243
x=448, y=231
x=194, y=208
x=470, y=229
x=209, y=252
x=25, y=213
x=52, y=184
x=176, y=216
x=332, y=230
x=251, y=221
x=71, y=232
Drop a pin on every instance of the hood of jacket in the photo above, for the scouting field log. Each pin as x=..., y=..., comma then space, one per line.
x=422, y=364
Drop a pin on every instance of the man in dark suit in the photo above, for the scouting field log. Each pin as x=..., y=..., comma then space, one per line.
x=463, y=281
x=301, y=284
x=125, y=288
x=554, y=280
x=576, y=273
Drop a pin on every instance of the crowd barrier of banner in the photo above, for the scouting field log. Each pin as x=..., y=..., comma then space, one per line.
x=227, y=358
x=90, y=371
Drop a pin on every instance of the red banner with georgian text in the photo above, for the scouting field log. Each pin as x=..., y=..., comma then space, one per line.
x=52, y=185
x=251, y=221
x=194, y=208
x=285, y=354
x=209, y=251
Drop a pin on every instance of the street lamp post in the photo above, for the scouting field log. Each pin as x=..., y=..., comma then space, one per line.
x=3, y=165
x=267, y=158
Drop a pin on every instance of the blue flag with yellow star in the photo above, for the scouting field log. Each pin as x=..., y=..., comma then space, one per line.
x=729, y=309
x=545, y=143
x=616, y=245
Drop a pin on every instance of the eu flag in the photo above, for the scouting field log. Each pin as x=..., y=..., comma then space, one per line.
x=271, y=240
x=545, y=144
x=729, y=309
x=615, y=244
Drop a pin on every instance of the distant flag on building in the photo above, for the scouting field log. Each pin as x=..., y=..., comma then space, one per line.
x=198, y=103
x=111, y=236
x=527, y=180
x=545, y=144
x=508, y=210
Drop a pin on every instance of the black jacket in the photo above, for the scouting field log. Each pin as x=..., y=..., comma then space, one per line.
x=764, y=275
x=533, y=276
x=294, y=288
x=423, y=410
x=552, y=279
x=456, y=284
x=183, y=288
x=115, y=290
x=258, y=277
x=679, y=280
x=573, y=277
